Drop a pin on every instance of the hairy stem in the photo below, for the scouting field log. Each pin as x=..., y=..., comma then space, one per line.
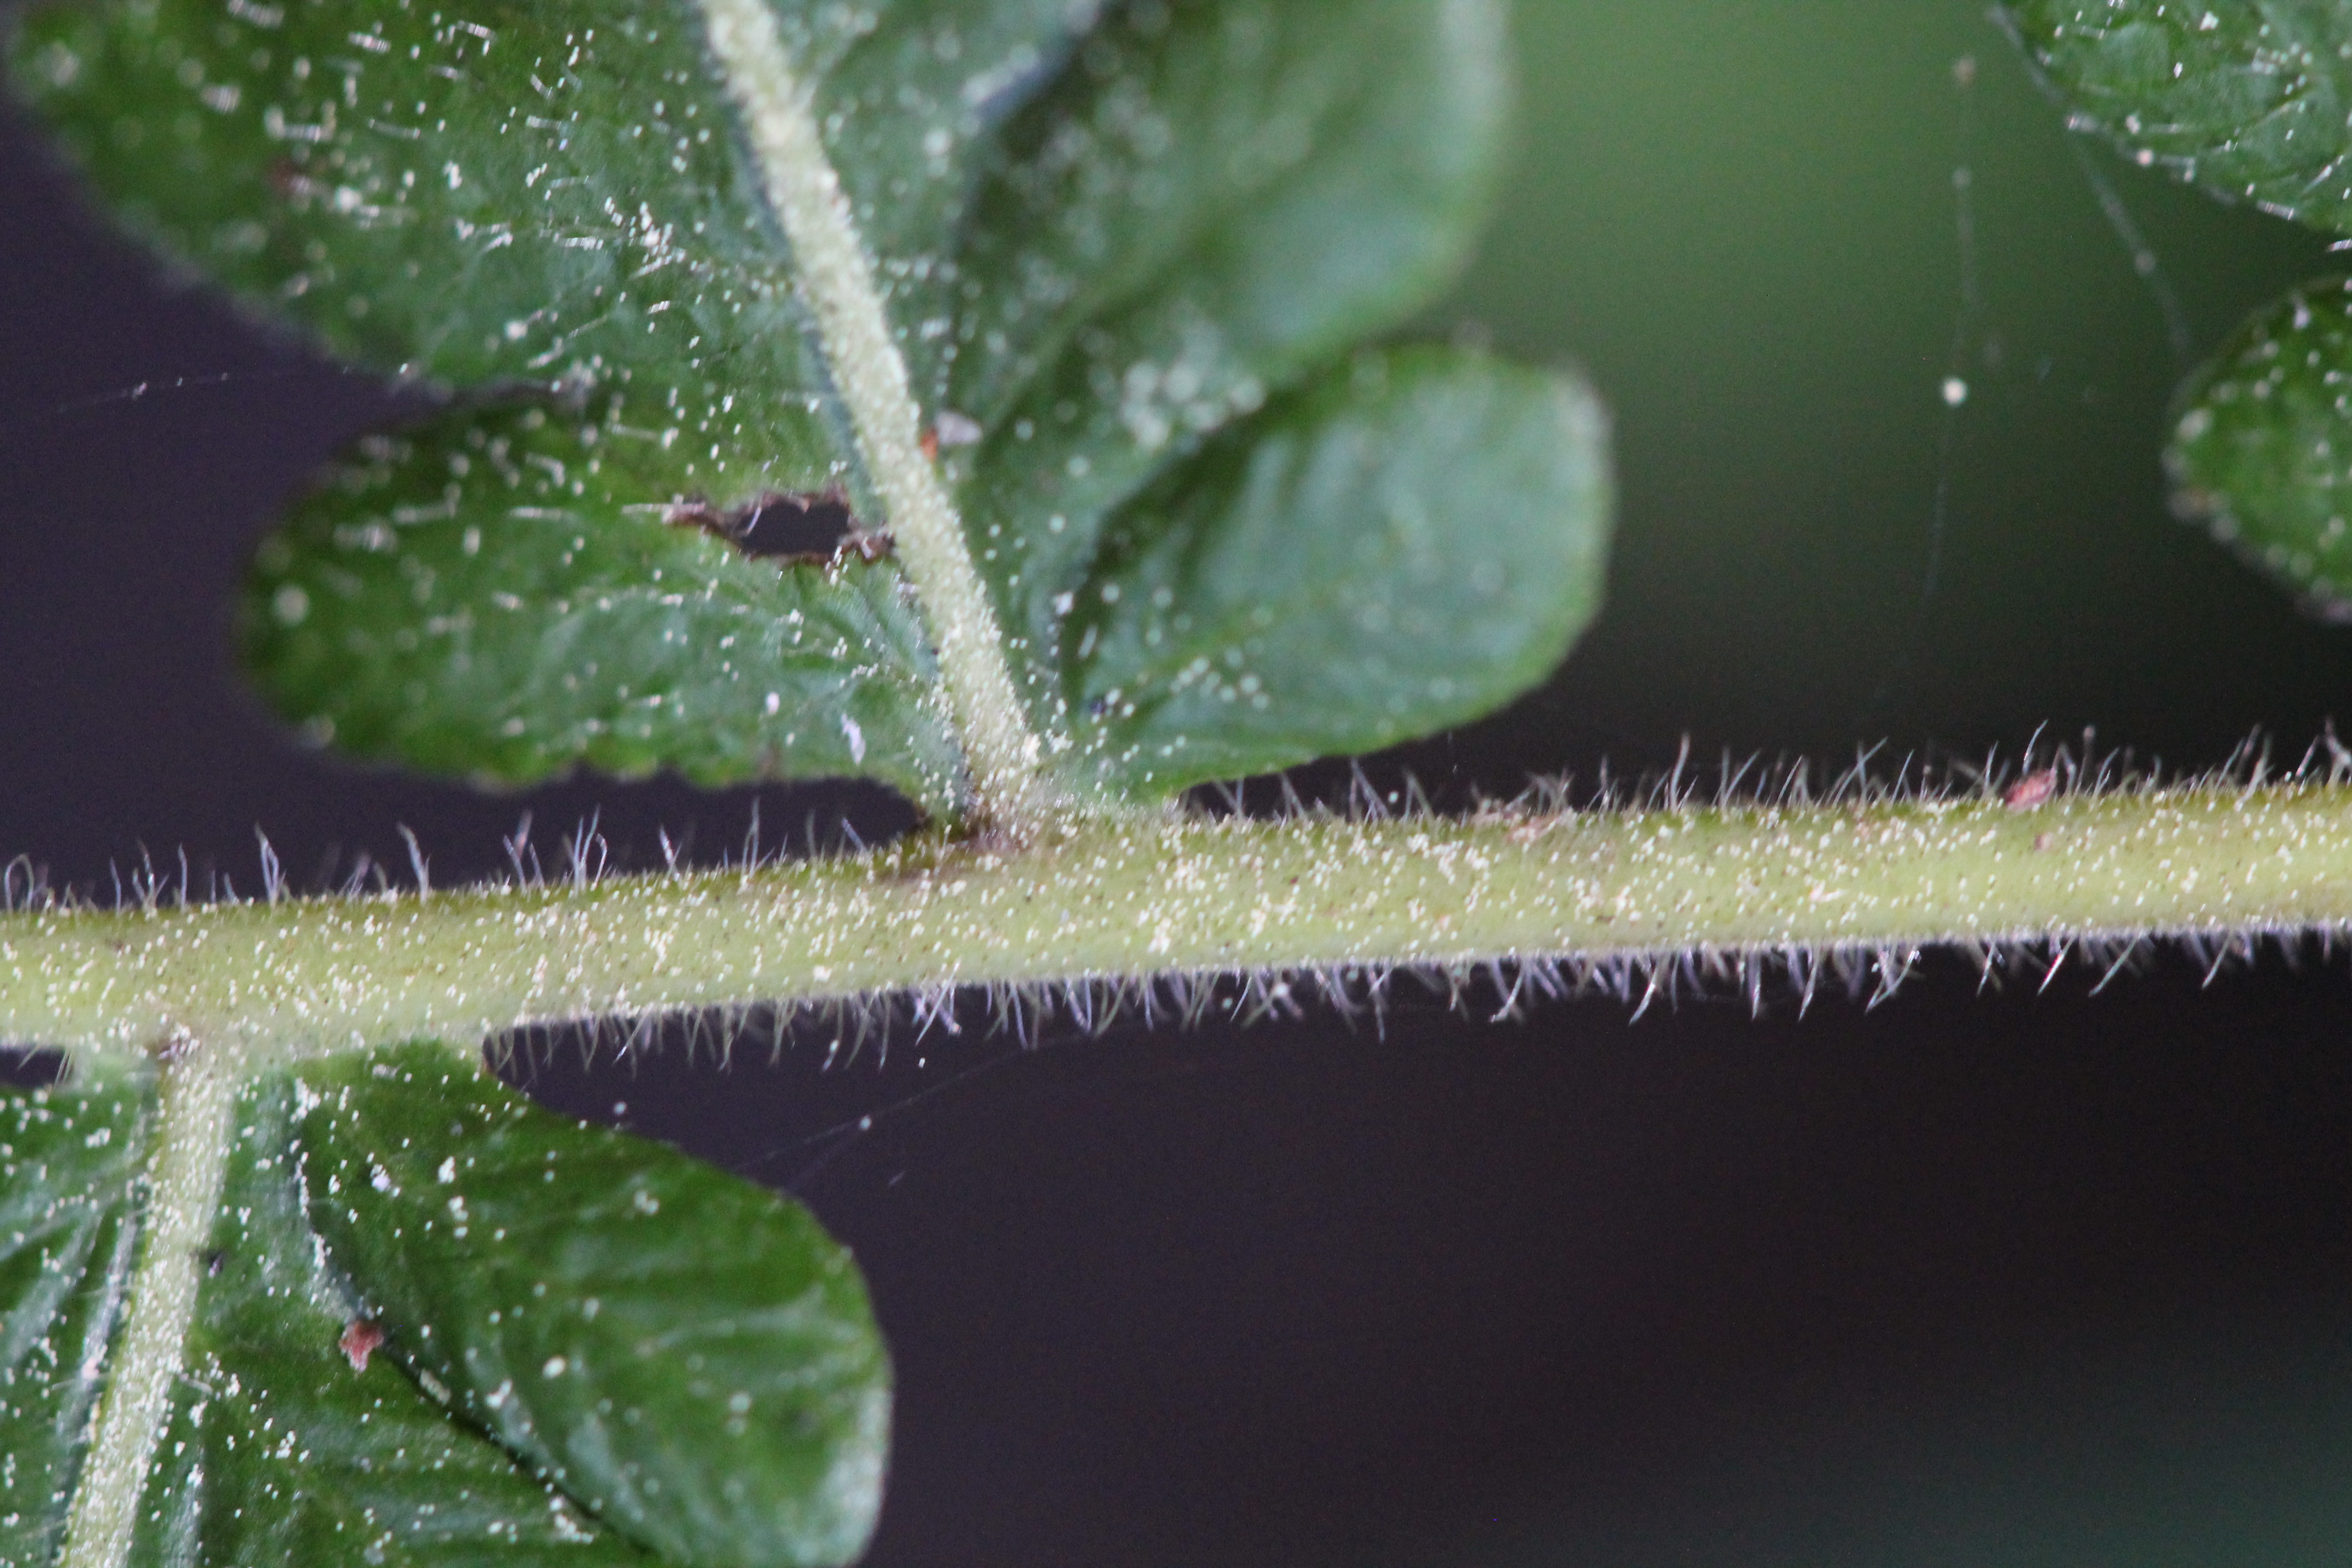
x=1129, y=899
x=836, y=279
x=183, y=1185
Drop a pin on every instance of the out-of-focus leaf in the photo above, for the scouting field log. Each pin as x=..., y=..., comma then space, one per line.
x=480, y=596
x=686, y=1354
x=1408, y=544
x=2251, y=99
x=2262, y=452
x=1107, y=233
x=70, y=1163
x=2248, y=99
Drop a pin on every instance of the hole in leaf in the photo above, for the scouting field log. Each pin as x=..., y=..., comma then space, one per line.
x=31, y=1066
x=816, y=529
x=796, y=526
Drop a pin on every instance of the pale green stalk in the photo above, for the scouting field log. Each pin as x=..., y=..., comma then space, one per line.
x=190, y=1155
x=836, y=280
x=1132, y=900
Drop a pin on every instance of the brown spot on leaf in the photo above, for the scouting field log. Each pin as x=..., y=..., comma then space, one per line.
x=950, y=429
x=362, y=1337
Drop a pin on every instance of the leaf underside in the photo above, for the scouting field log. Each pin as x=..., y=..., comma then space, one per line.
x=577, y=1346
x=70, y=1160
x=1124, y=245
x=482, y=596
x=2251, y=99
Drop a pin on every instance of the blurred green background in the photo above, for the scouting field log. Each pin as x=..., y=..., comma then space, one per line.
x=1742, y=220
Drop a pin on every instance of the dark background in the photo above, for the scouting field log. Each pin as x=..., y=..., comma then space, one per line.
x=1969, y=1279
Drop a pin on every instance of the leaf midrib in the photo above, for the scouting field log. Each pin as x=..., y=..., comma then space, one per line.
x=836, y=278
x=186, y=1168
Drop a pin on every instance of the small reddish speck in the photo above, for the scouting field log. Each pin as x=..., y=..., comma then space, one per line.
x=2032, y=790
x=361, y=1336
